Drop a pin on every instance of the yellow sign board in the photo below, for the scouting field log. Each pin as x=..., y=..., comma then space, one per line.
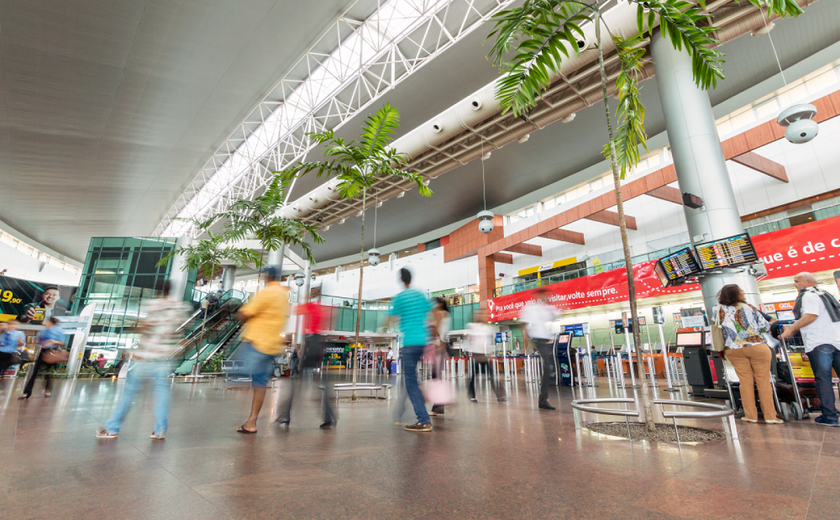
x=546, y=267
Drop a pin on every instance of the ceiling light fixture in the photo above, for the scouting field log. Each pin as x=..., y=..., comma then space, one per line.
x=485, y=218
x=524, y=138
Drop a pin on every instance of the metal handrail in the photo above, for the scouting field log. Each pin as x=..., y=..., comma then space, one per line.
x=580, y=405
x=722, y=412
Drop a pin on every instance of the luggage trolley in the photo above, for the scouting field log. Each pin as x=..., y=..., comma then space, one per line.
x=796, y=373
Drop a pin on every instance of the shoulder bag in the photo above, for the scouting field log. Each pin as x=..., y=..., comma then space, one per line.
x=718, y=343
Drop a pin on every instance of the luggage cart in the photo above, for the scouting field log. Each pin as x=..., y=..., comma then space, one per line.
x=796, y=372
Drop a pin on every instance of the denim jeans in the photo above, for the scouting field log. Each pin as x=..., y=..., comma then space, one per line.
x=142, y=373
x=823, y=359
x=411, y=355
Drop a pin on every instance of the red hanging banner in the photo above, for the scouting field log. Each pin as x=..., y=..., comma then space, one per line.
x=810, y=247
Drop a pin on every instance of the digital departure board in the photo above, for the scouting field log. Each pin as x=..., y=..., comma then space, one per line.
x=727, y=252
x=676, y=266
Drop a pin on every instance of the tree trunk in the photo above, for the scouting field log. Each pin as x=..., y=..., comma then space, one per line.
x=359, y=298
x=631, y=283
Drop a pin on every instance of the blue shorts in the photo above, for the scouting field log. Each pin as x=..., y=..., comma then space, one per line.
x=260, y=366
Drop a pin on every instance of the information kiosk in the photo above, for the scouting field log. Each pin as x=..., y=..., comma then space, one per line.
x=696, y=361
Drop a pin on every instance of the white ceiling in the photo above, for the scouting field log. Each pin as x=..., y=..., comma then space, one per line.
x=109, y=107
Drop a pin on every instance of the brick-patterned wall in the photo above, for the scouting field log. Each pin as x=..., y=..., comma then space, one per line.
x=466, y=240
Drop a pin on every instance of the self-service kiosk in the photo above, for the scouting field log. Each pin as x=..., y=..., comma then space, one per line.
x=703, y=367
x=564, y=375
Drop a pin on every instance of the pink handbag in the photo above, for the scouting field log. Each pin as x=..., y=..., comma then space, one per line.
x=437, y=391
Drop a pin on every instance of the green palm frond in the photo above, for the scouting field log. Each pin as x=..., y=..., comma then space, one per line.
x=630, y=133
x=544, y=33
x=379, y=129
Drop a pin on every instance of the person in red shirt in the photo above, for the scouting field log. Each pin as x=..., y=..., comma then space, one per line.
x=316, y=321
x=102, y=361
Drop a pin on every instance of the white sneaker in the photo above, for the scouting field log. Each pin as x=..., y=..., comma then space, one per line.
x=102, y=433
x=157, y=436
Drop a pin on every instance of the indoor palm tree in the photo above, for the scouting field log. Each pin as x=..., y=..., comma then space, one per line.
x=357, y=165
x=255, y=218
x=542, y=33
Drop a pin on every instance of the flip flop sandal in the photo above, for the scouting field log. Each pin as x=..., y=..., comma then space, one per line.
x=242, y=429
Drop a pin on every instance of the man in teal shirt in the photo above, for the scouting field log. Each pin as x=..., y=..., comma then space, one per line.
x=411, y=308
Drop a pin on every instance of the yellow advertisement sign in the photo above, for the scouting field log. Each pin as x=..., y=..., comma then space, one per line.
x=546, y=267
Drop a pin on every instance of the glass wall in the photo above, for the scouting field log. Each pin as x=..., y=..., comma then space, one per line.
x=119, y=272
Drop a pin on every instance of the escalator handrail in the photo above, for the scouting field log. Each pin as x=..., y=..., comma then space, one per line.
x=241, y=296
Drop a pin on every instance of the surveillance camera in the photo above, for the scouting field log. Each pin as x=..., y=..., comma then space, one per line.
x=802, y=131
x=485, y=226
x=799, y=122
x=373, y=260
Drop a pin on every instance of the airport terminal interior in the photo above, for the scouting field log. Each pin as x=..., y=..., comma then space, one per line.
x=420, y=259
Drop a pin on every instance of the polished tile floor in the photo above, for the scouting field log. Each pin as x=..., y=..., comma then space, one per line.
x=486, y=460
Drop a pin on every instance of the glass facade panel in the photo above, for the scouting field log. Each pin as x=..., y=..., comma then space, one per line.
x=118, y=274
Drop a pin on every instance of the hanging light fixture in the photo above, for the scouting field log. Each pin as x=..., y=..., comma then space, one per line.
x=374, y=254
x=798, y=119
x=485, y=218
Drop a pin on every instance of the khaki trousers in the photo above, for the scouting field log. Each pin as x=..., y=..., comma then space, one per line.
x=752, y=364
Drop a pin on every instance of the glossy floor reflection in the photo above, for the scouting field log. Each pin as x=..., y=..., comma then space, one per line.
x=484, y=460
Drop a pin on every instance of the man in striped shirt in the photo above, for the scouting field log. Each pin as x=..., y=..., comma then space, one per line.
x=411, y=308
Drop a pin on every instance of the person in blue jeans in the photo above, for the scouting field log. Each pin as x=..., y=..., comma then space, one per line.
x=816, y=311
x=411, y=308
x=159, y=322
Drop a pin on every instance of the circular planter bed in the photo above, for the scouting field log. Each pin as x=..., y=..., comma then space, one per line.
x=664, y=432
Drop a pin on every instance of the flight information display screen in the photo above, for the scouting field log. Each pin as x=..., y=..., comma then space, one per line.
x=727, y=252
x=676, y=266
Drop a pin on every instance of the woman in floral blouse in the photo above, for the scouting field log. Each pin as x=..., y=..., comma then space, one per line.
x=743, y=326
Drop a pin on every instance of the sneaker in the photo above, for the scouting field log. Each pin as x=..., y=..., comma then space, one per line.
x=473, y=399
x=157, y=436
x=102, y=433
x=826, y=422
x=419, y=427
x=328, y=425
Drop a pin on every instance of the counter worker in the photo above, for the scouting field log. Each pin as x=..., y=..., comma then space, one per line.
x=538, y=315
x=817, y=316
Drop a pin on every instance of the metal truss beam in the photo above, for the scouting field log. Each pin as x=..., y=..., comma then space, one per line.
x=322, y=91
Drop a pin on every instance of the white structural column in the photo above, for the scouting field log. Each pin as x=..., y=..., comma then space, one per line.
x=275, y=259
x=699, y=161
x=303, y=297
x=179, y=273
x=228, y=277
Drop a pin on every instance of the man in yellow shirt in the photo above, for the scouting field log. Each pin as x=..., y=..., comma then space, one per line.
x=265, y=317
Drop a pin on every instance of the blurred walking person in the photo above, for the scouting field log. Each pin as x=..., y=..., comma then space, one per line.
x=539, y=315
x=158, y=324
x=316, y=321
x=11, y=340
x=265, y=318
x=50, y=338
x=411, y=309
x=481, y=341
x=439, y=347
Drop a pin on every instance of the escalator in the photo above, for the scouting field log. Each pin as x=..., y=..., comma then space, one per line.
x=203, y=338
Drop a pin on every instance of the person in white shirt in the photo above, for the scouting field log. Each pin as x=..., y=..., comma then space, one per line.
x=480, y=341
x=538, y=315
x=821, y=335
